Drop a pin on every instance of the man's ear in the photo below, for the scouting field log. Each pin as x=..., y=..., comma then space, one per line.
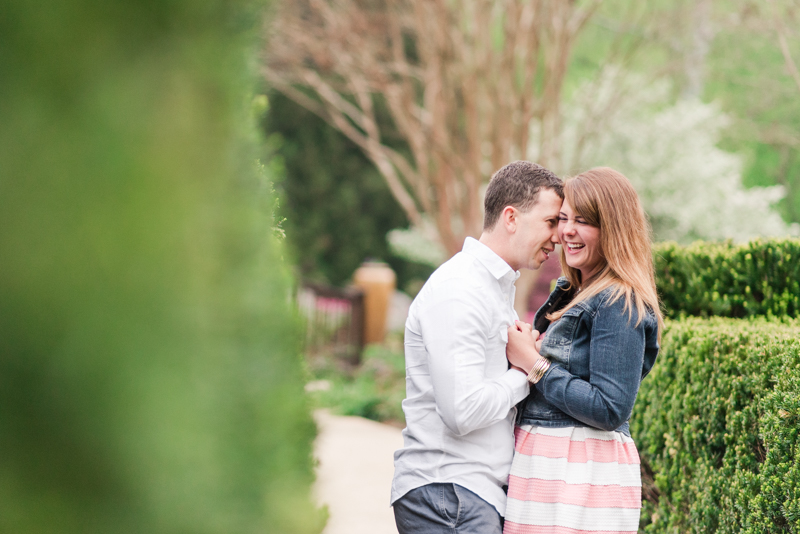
x=508, y=217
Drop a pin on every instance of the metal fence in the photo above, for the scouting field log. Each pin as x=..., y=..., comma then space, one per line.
x=335, y=321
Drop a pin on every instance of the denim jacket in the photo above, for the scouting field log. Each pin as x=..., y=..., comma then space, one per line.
x=599, y=358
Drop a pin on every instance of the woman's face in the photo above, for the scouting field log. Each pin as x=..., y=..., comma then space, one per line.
x=581, y=242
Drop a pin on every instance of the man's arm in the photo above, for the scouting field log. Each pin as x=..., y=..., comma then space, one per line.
x=456, y=326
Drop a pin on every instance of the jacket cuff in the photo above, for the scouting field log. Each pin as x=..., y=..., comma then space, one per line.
x=554, y=371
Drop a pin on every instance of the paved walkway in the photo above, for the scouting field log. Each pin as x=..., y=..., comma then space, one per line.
x=354, y=474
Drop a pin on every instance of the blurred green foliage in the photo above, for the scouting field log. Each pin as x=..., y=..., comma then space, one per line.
x=749, y=78
x=375, y=389
x=759, y=278
x=716, y=423
x=150, y=378
x=337, y=206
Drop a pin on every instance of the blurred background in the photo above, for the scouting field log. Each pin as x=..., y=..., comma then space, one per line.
x=389, y=117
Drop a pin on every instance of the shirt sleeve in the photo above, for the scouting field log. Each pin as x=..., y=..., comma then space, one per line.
x=455, y=326
x=616, y=348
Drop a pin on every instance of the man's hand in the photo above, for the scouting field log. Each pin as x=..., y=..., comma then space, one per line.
x=523, y=345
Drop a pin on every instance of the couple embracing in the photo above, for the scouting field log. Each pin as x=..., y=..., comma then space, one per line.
x=520, y=428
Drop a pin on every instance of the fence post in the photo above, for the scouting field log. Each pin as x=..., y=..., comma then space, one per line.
x=335, y=321
x=356, y=330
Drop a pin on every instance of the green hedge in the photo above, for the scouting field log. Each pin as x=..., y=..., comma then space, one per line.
x=717, y=424
x=760, y=278
x=150, y=370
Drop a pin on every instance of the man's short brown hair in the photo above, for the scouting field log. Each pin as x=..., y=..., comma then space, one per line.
x=517, y=185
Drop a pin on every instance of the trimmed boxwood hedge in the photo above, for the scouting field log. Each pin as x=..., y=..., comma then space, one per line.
x=760, y=278
x=716, y=424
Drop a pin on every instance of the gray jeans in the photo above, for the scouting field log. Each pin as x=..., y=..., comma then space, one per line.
x=445, y=508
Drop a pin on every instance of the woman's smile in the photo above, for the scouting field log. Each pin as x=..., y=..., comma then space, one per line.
x=581, y=242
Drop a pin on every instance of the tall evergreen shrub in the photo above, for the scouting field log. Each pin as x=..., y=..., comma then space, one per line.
x=716, y=423
x=149, y=371
x=337, y=205
x=759, y=278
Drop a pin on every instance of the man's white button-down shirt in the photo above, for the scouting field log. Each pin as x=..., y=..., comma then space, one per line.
x=460, y=394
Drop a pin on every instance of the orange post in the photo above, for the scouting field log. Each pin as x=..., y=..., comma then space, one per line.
x=378, y=281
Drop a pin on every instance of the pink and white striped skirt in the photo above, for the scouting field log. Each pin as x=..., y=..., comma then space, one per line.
x=573, y=480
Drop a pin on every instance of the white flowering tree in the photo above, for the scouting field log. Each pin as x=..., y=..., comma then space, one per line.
x=690, y=188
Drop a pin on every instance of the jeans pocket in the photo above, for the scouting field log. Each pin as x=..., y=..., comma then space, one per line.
x=450, y=504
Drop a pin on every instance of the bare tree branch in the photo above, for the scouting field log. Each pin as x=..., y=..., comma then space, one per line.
x=791, y=66
x=464, y=81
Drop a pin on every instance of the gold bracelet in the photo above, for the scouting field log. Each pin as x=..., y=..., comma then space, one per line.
x=544, y=365
x=538, y=370
x=532, y=375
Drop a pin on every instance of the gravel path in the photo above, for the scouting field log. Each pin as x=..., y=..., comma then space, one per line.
x=354, y=474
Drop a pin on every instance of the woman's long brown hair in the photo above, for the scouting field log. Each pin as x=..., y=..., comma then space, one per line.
x=607, y=200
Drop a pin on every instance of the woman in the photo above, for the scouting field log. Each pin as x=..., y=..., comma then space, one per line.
x=575, y=465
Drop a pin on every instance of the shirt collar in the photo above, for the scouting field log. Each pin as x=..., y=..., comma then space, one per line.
x=489, y=258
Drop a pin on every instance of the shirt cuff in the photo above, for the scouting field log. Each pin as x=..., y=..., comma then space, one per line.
x=517, y=383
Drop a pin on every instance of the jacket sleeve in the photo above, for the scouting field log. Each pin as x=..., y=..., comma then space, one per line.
x=456, y=325
x=616, y=348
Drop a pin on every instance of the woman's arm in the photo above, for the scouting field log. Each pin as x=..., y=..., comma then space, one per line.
x=616, y=352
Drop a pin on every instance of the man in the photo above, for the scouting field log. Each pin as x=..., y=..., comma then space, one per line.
x=460, y=393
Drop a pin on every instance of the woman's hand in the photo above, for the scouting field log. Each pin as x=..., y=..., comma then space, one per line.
x=522, y=350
